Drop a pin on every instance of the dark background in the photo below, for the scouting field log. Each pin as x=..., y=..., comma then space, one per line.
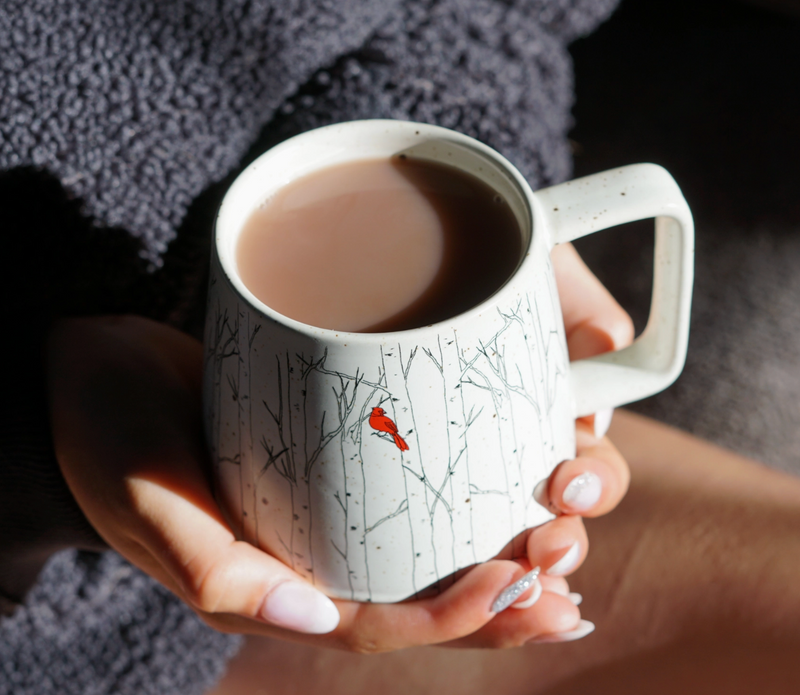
x=711, y=91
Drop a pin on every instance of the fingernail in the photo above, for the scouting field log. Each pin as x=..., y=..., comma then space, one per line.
x=568, y=561
x=540, y=493
x=534, y=597
x=299, y=607
x=512, y=592
x=584, y=628
x=575, y=597
x=583, y=492
x=602, y=421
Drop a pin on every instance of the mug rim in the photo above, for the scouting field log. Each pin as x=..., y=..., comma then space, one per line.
x=330, y=334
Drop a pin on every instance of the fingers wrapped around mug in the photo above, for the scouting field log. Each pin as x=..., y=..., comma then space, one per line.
x=594, y=321
x=462, y=616
x=558, y=547
x=591, y=484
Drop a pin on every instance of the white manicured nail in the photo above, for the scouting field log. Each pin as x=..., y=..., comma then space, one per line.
x=583, y=492
x=602, y=421
x=583, y=629
x=540, y=493
x=575, y=597
x=300, y=607
x=512, y=592
x=568, y=562
x=534, y=597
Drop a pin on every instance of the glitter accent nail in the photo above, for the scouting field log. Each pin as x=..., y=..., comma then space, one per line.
x=513, y=592
x=536, y=594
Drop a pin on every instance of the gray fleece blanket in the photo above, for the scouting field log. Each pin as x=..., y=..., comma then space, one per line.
x=132, y=110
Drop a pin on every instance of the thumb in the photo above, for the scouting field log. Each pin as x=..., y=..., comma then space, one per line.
x=125, y=407
x=216, y=573
x=594, y=321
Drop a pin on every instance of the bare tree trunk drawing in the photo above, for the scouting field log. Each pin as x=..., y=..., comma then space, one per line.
x=455, y=477
x=250, y=487
x=510, y=387
x=223, y=345
x=550, y=357
x=455, y=384
x=420, y=491
x=458, y=422
x=346, y=397
x=279, y=453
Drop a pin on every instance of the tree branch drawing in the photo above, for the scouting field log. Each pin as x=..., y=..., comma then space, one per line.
x=402, y=508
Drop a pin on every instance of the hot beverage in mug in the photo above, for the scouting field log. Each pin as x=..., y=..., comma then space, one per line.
x=379, y=245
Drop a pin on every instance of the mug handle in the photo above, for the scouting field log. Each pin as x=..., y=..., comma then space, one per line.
x=583, y=206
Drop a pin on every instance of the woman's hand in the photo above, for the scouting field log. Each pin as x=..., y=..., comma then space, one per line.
x=125, y=397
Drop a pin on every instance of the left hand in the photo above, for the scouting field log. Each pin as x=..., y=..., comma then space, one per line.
x=127, y=428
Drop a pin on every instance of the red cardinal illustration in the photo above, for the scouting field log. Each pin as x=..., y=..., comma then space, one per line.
x=379, y=421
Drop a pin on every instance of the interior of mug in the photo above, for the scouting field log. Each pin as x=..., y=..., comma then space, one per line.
x=361, y=140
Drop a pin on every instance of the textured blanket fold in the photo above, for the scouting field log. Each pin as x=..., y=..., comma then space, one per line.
x=114, y=120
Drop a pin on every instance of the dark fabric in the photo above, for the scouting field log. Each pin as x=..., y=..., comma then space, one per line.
x=28, y=472
x=95, y=625
x=120, y=126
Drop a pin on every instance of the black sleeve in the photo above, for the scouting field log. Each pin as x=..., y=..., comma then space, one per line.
x=38, y=515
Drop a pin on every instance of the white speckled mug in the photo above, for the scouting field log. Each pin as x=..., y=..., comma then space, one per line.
x=485, y=401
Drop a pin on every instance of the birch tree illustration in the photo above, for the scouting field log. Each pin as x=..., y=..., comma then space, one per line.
x=305, y=438
x=339, y=499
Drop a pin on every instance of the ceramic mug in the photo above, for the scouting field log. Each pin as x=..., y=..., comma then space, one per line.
x=484, y=402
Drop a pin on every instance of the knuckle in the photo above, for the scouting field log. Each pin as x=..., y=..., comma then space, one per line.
x=505, y=641
x=515, y=642
x=363, y=644
x=205, y=592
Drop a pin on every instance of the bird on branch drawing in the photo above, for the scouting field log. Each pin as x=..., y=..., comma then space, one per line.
x=381, y=422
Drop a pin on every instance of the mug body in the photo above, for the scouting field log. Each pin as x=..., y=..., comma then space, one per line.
x=379, y=465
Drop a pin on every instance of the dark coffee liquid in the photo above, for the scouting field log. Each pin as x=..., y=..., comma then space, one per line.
x=379, y=245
